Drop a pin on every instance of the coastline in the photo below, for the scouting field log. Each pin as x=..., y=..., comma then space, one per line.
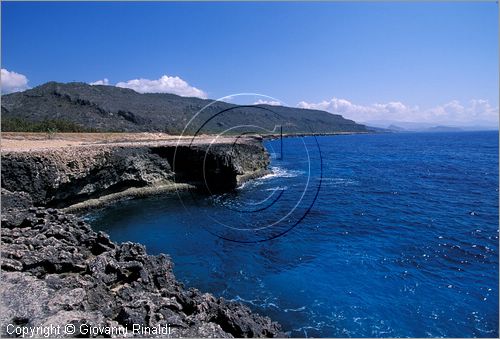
x=129, y=193
x=56, y=270
x=29, y=143
x=47, y=248
x=298, y=135
x=61, y=176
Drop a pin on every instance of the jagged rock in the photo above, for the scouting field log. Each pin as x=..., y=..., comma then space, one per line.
x=15, y=200
x=53, y=274
x=14, y=205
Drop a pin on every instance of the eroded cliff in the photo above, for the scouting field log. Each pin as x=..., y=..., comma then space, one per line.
x=65, y=176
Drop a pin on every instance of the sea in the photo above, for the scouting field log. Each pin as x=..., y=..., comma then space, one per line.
x=367, y=235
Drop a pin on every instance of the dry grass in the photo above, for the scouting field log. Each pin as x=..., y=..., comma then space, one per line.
x=86, y=137
x=26, y=141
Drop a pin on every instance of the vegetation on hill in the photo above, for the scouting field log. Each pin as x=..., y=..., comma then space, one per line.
x=12, y=124
x=79, y=107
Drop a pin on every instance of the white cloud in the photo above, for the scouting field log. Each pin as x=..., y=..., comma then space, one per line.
x=13, y=82
x=165, y=84
x=104, y=81
x=267, y=102
x=476, y=111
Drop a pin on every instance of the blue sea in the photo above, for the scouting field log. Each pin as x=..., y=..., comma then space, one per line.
x=377, y=235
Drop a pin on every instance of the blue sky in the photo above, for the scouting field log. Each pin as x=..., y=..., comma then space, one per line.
x=429, y=62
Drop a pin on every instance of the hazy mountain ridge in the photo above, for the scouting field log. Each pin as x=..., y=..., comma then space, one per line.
x=408, y=126
x=109, y=108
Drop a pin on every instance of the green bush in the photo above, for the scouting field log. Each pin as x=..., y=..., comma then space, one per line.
x=49, y=126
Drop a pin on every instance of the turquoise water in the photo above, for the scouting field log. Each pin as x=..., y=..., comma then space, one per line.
x=373, y=235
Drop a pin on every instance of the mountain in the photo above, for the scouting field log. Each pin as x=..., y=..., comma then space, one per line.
x=83, y=107
x=444, y=129
x=408, y=126
x=395, y=128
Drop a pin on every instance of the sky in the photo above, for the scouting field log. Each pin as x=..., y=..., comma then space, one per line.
x=416, y=62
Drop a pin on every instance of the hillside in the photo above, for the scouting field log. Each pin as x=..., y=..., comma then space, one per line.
x=78, y=107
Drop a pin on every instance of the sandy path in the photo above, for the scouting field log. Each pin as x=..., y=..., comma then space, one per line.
x=23, y=142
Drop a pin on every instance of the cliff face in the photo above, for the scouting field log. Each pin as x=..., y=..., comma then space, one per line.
x=56, y=270
x=62, y=177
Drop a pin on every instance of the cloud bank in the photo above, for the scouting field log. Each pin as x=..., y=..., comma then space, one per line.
x=454, y=113
x=476, y=111
x=104, y=81
x=165, y=84
x=267, y=102
x=13, y=82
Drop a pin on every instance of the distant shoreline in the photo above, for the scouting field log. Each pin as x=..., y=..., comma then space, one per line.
x=298, y=135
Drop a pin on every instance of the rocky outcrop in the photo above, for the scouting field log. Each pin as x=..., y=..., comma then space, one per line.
x=57, y=271
x=68, y=175
x=65, y=176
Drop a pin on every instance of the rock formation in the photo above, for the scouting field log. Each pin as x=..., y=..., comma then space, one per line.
x=56, y=270
x=64, y=176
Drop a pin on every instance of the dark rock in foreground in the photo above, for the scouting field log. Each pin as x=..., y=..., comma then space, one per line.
x=57, y=271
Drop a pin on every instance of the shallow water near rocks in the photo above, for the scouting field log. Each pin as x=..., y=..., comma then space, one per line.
x=401, y=239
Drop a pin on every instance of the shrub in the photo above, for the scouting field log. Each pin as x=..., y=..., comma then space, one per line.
x=49, y=126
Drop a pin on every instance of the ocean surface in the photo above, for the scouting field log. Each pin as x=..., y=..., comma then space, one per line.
x=383, y=235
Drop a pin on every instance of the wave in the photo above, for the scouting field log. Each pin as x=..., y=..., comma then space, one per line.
x=340, y=181
x=278, y=172
x=300, y=309
x=256, y=303
x=277, y=188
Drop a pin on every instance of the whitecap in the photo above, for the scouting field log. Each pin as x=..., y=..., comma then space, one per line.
x=277, y=188
x=278, y=172
x=339, y=181
x=295, y=309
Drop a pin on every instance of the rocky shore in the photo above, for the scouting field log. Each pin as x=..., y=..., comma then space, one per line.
x=56, y=270
x=63, y=176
